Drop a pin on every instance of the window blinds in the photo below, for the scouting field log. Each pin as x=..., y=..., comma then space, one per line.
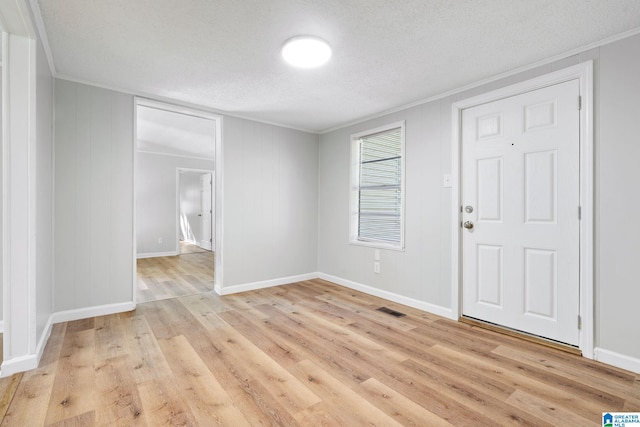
x=380, y=187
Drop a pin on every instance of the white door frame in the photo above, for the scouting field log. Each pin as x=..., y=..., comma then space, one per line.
x=217, y=173
x=21, y=348
x=584, y=73
x=178, y=170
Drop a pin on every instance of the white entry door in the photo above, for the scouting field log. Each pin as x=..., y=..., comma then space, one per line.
x=206, y=212
x=520, y=195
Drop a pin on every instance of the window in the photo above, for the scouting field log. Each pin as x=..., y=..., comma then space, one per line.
x=377, y=187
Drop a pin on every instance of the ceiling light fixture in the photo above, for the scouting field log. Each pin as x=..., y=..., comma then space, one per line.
x=306, y=51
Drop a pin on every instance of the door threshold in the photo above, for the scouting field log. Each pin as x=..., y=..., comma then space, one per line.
x=521, y=335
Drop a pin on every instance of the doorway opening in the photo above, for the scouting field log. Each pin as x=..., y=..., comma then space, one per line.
x=195, y=216
x=175, y=201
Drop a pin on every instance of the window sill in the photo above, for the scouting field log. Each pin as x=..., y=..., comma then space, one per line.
x=377, y=245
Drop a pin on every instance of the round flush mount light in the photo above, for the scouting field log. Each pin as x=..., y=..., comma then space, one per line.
x=306, y=51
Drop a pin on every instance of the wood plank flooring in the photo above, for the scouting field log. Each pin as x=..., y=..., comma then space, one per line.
x=307, y=354
x=189, y=248
x=189, y=273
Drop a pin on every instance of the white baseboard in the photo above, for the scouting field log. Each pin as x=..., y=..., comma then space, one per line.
x=99, y=310
x=18, y=364
x=421, y=305
x=616, y=359
x=264, y=284
x=157, y=254
x=28, y=362
x=400, y=299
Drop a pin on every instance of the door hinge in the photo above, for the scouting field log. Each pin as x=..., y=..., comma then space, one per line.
x=579, y=212
x=579, y=322
x=579, y=103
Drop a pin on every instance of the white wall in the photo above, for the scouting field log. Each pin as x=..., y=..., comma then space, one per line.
x=156, y=200
x=93, y=196
x=44, y=192
x=190, y=206
x=422, y=271
x=270, y=203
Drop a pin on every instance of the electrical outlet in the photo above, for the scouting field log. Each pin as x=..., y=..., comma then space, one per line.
x=376, y=267
x=159, y=240
x=376, y=255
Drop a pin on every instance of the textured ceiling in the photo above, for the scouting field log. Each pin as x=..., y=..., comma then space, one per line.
x=224, y=54
x=167, y=132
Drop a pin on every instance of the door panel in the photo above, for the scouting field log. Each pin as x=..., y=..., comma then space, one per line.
x=540, y=172
x=540, y=283
x=489, y=189
x=520, y=176
x=490, y=275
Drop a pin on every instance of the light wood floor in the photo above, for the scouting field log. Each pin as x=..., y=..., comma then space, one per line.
x=306, y=354
x=189, y=248
x=189, y=273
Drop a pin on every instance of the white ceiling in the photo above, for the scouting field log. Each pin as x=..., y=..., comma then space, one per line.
x=168, y=132
x=225, y=54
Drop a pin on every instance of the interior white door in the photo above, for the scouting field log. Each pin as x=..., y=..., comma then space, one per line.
x=520, y=195
x=206, y=213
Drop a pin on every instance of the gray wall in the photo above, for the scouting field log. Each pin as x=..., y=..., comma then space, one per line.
x=93, y=196
x=270, y=203
x=156, y=198
x=618, y=201
x=422, y=271
x=44, y=192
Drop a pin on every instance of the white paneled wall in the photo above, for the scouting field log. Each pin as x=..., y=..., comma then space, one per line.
x=270, y=203
x=93, y=196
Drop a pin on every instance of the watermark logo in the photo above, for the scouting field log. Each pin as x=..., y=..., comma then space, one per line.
x=621, y=419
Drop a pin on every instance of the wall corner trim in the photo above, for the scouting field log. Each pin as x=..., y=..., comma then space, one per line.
x=95, y=311
x=400, y=299
x=616, y=359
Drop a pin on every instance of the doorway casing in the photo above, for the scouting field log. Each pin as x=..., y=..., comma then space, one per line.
x=583, y=72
